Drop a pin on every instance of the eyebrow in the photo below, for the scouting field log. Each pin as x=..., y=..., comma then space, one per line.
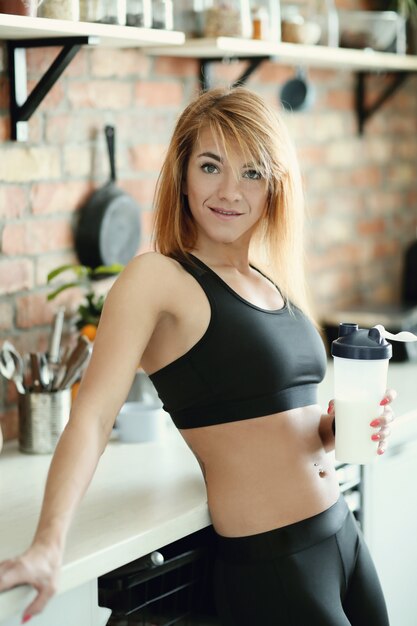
x=211, y=155
x=217, y=158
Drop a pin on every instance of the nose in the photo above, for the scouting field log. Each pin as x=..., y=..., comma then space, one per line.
x=229, y=187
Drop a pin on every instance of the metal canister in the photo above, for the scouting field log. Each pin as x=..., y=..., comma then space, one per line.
x=42, y=418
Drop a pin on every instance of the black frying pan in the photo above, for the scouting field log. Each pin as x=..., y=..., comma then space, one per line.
x=108, y=228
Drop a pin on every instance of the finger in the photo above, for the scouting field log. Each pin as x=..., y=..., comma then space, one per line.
x=383, y=434
x=330, y=408
x=40, y=601
x=381, y=448
x=387, y=416
x=389, y=396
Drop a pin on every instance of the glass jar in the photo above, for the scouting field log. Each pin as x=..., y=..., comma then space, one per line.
x=227, y=18
x=139, y=13
x=60, y=9
x=162, y=14
x=266, y=20
x=105, y=11
x=188, y=17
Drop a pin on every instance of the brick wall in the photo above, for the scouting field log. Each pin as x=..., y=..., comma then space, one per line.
x=361, y=191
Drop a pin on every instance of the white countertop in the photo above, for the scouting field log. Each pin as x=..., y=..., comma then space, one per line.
x=143, y=496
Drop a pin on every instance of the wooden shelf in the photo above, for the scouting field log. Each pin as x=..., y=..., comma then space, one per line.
x=293, y=54
x=14, y=27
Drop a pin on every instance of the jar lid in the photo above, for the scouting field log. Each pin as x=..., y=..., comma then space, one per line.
x=360, y=343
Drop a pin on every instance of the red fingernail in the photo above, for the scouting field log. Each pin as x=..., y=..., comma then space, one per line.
x=376, y=437
x=384, y=401
x=375, y=422
x=26, y=618
x=380, y=451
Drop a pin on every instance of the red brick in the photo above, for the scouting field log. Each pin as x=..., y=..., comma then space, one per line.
x=147, y=157
x=38, y=60
x=58, y=197
x=15, y=275
x=340, y=99
x=171, y=66
x=36, y=237
x=13, y=201
x=54, y=98
x=101, y=94
x=119, y=62
x=49, y=262
x=371, y=227
x=272, y=73
x=6, y=315
x=366, y=176
x=159, y=94
x=33, y=310
x=142, y=190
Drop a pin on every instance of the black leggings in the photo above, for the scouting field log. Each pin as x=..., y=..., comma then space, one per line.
x=317, y=572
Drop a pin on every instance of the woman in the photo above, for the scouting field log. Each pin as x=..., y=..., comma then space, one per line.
x=236, y=361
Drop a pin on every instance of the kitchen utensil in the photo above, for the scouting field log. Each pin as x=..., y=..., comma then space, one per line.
x=297, y=94
x=76, y=362
x=108, y=229
x=35, y=368
x=9, y=357
x=42, y=418
x=56, y=334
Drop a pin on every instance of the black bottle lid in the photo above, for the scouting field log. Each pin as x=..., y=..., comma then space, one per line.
x=360, y=343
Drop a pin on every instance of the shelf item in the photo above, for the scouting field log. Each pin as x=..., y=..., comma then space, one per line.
x=139, y=13
x=107, y=35
x=60, y=9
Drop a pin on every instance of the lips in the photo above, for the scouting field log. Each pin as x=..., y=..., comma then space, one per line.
x=224, y=212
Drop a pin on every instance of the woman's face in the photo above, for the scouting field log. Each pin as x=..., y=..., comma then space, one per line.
x=226, y=195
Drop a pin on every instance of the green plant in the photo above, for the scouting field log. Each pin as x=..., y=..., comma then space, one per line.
x=89, y=311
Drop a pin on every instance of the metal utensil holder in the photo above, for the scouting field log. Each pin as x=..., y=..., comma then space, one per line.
x=42, y=418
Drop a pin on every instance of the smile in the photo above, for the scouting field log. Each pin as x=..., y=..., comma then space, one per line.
x=225, y=213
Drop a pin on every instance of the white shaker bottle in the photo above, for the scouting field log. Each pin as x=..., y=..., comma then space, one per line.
x=361, y=359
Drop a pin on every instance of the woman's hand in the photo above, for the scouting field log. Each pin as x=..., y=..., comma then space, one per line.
x=38, y=567
x=382, y=422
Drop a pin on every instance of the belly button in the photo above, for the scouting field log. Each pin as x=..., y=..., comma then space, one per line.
x=322, y=472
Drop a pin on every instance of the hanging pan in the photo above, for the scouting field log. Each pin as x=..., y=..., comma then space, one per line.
x=108, y=229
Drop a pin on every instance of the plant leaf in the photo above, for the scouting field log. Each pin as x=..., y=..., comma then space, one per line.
x=115, y=268
x=54, y=294
x=80, y=271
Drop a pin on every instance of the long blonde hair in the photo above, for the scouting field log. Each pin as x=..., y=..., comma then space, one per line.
x=240, y=117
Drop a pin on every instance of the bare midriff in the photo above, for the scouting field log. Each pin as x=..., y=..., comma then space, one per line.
x=266, y=472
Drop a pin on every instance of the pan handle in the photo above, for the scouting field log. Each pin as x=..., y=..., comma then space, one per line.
x=110, y=132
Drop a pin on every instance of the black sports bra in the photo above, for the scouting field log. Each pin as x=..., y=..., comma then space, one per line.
x=250, y=361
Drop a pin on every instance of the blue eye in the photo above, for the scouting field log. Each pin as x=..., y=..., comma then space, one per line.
x=252, y=175
x=209, y=168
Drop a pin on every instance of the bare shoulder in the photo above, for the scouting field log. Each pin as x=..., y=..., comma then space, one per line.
x=151, y=276
x=154, y=266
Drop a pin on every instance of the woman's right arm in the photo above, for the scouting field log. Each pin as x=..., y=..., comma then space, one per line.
x=133, y=307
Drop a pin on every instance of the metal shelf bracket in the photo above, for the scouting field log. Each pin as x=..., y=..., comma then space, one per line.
x=253, y=64
x=363, y=112
x=22, y=105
